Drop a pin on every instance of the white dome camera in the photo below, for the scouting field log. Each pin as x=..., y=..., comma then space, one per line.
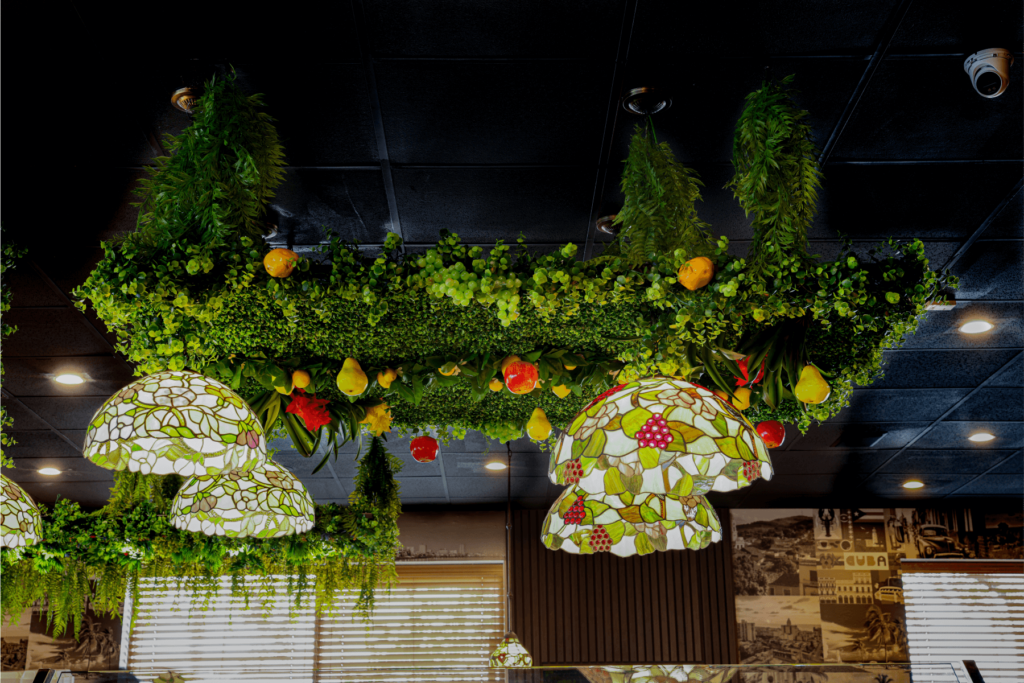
x=989, y=71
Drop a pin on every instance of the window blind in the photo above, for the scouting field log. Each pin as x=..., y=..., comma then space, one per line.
x=439, y=617
x=967, y=609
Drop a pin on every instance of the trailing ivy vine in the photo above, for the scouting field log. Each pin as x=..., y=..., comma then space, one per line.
x=10, y=253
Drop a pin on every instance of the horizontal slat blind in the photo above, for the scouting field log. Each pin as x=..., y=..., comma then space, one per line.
x=447, y=616
x=952, y=616
x=225, y=638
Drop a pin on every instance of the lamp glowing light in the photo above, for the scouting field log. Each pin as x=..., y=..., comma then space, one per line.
x=980, y=437
x=913, y=484
x=68, y=378
x=975, y=327
x=49, y=471
x=495, y=466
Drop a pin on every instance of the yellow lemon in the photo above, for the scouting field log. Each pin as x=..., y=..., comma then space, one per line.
x=285, y=390
x=538, y=427
x=386, y=377
x=300, y=379
x=449, y=369
x=741, y=398
x=352, y=380
x=696, y=273
x=495, y=384
x=561, y=391
x=509, y=361
x=280, y=262
x=568, y=367
x=812, y=387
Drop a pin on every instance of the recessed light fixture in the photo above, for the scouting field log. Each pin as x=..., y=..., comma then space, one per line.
x=495, y=466
x=49, y=471
x=981, y=437
x=975, y=327
x=913, y=484
x=68, y=378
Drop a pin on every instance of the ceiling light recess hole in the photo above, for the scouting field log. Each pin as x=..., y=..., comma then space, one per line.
x=913, y=484
x=645, y=101
x=975, y=327
x=981, y=437
x=68, y=378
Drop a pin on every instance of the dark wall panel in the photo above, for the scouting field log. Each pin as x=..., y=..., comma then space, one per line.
x=672, y=607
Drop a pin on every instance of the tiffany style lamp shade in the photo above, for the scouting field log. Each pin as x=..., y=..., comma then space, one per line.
x=266, y=502
x=686, y=673
x=510, y=654
x=638, y=461
x=20, y=523
x=176, y=422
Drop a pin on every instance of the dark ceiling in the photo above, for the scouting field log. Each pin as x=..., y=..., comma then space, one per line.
x=495, y=119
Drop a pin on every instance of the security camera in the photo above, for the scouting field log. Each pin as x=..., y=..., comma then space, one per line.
x=989, y=71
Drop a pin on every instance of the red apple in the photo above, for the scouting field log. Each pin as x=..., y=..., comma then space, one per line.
x=424, y=448
x=772, y=432
x=521, y=377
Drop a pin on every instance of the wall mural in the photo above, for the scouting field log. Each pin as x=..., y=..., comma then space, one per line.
x=31, y=644
x=824, y=585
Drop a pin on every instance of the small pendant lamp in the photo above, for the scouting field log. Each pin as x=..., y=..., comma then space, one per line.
x=176, y=422
x=20, y=522
x=510, y=653
x=264, y=503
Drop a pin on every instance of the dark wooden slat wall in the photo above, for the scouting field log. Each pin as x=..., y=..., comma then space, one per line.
x=676, y=607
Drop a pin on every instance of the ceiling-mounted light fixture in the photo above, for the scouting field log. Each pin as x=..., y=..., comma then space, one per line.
x=976, y=327
x=68, y=378
x=495, y=466
x=184, y=99
x=48, y=471
x=913, y=484
x=645, y=101
x=980, y=437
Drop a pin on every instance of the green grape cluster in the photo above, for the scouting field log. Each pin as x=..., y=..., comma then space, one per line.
x=503, y=431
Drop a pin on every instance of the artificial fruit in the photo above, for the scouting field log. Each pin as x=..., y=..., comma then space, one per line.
x=352, y=380
x=539, y=428
x=812, y=387
x=772, y=432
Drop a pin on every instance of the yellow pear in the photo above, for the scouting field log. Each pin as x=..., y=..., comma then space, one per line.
x=561, y=391
x=741, y=398
x=386, y=377
x=812, y=387
x=538, y=427
x=509, y=361
x=351, y=380
x=286, y=389
x=495, y=384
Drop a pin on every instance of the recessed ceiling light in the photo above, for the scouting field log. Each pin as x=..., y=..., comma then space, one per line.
x=981, y=437
x=495, y=466
x=68, y=378
x=913, y=484
x=975, y=327
x=49, y=471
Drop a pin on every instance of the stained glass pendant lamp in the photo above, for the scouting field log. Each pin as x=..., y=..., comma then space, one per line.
x=264, y=503
x=176, y=422
x=638, y=461
x=661, y=673
x=510, y=653
x=20, y=523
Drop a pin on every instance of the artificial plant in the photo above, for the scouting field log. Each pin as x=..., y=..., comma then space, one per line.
x=9, y=254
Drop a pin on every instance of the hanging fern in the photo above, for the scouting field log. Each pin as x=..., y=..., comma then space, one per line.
x=220, y=175
x=659, y=216
x=777, y=175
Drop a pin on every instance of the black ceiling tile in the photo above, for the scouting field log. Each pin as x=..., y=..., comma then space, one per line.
x=475, y=489
x=473, y=464
x=545, y=205
x=464, y=28
x=890, y=485
x=323, y=489
x=994, y=485
x=72, y=470
x=937, y=251
x=827, y=462
x=23, y=418
x=878, y=405
x=90, y=494
x=820, y=437
x=1012, y=465
x=406, y=501
x=1013, y=376
x=811, y=485
x=421, y=487
x=941, y=369
x=27, y=287
x=30, y=445
x=77, y=436
x=793, y=435
x=50, y=332
x=941, y=329
x=313, y=204
x=910, y=200
x=914, y=462
x=672, y=31
x=991, y=270
x=322, y=111
x=65, y=412
x=956, y=27
x=1008, y=223
x=303, y=467
x=104, y=375
x=927, y=109
x=955, y=435
x=512, y=113
x=997, y=404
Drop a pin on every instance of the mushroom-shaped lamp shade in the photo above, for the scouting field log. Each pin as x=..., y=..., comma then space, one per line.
x=20, y=523
x=176, y=422
x=510, y=654
x=266, y=502
x=660, y=673
x=639, y=460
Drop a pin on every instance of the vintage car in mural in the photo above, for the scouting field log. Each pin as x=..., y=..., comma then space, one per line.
x=934, y=540
x=889, y=594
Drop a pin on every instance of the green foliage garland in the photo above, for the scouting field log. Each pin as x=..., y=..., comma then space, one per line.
x=7, y=259
x=94, y=556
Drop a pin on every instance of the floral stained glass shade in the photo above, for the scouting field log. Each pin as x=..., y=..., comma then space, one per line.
x=266, y=502
x=638, y=462
x=510, y=654
x=20, y=523
x=686, y=673
x=176, y=422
